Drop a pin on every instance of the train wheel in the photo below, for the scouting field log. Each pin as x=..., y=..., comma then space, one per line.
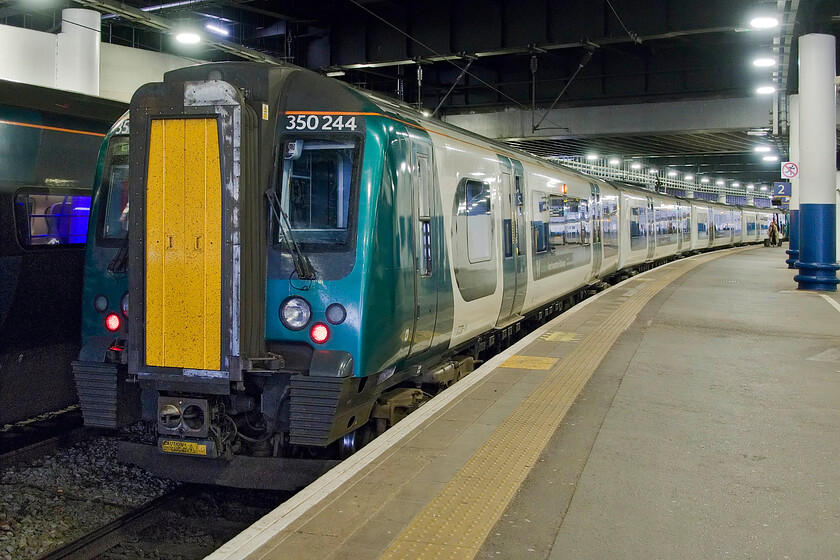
x=355, y=440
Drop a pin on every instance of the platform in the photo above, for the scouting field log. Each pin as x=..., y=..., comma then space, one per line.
x=690, y=412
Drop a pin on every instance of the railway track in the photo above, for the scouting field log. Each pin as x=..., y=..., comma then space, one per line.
x=112, y=534
x=32, y=439
x=188, y=523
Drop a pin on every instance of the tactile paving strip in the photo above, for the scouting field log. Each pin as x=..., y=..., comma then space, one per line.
x=456, y=522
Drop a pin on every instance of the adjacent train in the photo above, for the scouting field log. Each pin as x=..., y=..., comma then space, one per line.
x=307, y=260
x=49, y=141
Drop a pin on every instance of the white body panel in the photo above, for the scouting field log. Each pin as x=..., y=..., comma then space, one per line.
x=565, y=248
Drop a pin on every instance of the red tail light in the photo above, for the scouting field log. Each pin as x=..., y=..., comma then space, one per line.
x=319, y=333
x=112, y=322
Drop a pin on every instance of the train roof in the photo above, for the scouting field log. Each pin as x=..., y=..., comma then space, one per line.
x=60, y=102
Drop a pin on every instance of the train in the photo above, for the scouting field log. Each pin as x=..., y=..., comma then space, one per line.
x=49, y=144
x=308, y=262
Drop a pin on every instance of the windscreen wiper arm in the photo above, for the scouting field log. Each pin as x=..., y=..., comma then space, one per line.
x=303, y=267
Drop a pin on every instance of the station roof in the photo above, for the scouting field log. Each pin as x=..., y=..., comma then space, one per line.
x=668, y=82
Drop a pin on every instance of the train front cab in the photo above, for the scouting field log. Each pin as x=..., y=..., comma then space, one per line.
x=258, y=326
x=106, y=397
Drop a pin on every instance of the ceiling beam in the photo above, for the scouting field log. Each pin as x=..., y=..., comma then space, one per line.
x=164, y=25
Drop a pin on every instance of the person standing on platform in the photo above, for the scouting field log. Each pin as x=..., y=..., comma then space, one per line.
x=773, y=233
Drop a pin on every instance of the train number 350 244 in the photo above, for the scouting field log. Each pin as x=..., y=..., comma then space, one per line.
x=320, y=122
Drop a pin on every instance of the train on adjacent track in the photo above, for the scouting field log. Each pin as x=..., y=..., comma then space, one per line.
x=49, y=141
x=307, y=261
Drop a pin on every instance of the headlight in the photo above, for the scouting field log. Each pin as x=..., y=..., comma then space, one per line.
x=295, y=313
x=100, y=303
x=336, y=313
x=124, y=304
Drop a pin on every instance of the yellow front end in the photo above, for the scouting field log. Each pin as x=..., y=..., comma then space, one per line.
x=184, y=245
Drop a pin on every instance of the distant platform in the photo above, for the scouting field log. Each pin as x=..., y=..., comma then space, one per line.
x=690, y=412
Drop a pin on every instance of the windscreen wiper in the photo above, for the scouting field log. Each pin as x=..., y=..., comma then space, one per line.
x=301, y=262
x=119, y=264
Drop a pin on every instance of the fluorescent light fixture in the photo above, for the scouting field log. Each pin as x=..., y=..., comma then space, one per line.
x=704, y=180
x=764, y=187
x=750, y=186
x=672, y=174
x=770, y=158
x=335, y=73
x=636, y=166
x=592, y=157
x=758, y=132
x=217, y=30
x=615, y=161
x=764, y=62
x=188, y=37
x=425, y=113
x=762, y=149
x=653, y=171
x=720, y=182
x=765, y=90
x=764, y=22
x=736, y=184
x=689, y=177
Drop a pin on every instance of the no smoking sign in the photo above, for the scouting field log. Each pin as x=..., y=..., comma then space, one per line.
x=789, y=170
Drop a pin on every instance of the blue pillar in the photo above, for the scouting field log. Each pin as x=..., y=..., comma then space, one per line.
x=817, y=146
x=793, y=218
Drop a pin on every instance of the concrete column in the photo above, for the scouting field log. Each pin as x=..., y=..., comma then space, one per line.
x=793, y=226
x=721, y=198
x=689, y=194
x=77, y=51
x=817, y=167
x=837, y=222
x=750, y=200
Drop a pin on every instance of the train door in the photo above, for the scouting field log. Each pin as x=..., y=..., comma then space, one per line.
x=425, y=279
x=651, y=229
x=679, y=210
x=519, y=233
x=509, y=233
x=597, y=233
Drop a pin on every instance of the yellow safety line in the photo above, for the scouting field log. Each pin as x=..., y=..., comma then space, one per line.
x=457, y=521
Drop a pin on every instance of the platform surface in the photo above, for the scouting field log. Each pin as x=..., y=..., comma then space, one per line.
x=689, y=412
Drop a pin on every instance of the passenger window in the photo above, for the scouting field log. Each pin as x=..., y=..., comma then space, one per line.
x=478, y=221
x=47, y=218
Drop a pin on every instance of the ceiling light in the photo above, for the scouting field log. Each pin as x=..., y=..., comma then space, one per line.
x=592, y=157
x=615, y=161
x=720, y=182
x=636, y=166
x=704, y=180
x=764, y=62
x=217, y=30
x=653, y=171
x=758, y=132
x=764, y=187
x=750, y=186
x=765, y=90
x=770, y=158
x=689, y=177
x=736, y=184
x=188, y=37
x=672, y=174
x=762, y=149
x=764, y=22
